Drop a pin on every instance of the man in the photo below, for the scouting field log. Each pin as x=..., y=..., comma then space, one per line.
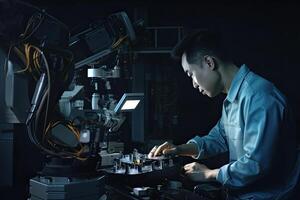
x=256, y=126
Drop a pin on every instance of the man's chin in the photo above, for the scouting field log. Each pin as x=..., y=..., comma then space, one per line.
x=205, y=93
x=210, y=95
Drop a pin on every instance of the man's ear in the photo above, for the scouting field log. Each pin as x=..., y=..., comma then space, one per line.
x=211, y=62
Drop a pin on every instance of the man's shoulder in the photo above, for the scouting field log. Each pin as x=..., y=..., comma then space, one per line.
x=259, y=87
x=254, y=83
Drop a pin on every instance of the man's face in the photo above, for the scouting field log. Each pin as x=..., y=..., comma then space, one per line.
x=204, y=76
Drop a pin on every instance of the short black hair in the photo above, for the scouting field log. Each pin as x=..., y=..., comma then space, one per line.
x=200, y=42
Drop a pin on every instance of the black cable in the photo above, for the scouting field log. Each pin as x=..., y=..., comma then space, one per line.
x=43, y=11
x=42, y=17
x=30, y=135
x=49, y=90
x=64, y=154
x=13, y=44
x=39, y=110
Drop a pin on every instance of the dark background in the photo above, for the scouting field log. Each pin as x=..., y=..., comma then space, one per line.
x=263, y=35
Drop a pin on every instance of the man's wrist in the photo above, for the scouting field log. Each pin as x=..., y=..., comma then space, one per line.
x=189, y=149
x=213, y=173
x=179, y=150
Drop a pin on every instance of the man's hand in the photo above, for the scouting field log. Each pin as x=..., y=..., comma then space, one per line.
x=166, y=149
x=199, y=172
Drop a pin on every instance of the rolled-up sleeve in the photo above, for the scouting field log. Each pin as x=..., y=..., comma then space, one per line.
x=263, y=115
x=212, y=144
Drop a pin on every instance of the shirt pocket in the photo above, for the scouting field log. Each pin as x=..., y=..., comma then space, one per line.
x=233, y=131
x=234, y=138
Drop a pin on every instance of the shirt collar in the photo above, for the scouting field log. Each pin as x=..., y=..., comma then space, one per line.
x=237, y=82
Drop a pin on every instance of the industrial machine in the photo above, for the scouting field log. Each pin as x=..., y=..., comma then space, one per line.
x=74, y=84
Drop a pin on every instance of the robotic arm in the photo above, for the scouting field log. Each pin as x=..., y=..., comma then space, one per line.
x=70, y=82
x=51, y=61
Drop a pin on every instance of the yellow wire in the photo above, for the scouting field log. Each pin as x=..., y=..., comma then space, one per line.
x=118, y=42
x=74, y=130
x=26, y=58
x=32, y=57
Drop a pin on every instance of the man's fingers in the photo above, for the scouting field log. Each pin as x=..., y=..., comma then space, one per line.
x=193, y=167
x=196, y=172
x=189, y=171
x=170, y=152
x=151, y=153
x=159, y=150
x=153, y=149
x=187, y=166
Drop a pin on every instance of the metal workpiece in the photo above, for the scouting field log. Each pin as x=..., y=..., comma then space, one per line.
x=137, y=163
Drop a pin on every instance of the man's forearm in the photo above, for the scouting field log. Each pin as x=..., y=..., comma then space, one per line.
x=189, y=149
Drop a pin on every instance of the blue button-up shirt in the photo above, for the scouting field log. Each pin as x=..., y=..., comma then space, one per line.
x=257, y=129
